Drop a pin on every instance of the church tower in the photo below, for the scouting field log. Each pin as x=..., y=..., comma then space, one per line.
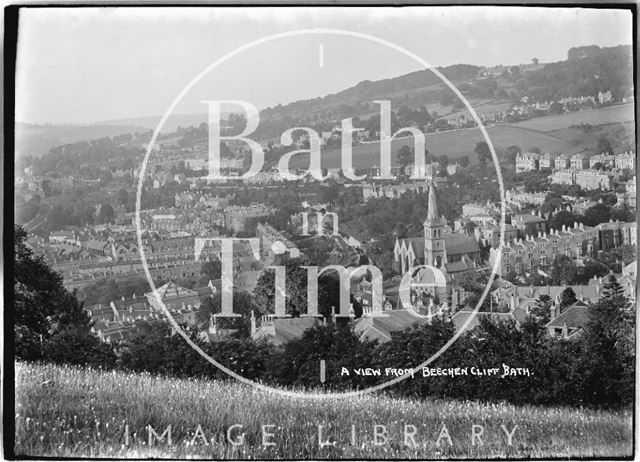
x=434, y=251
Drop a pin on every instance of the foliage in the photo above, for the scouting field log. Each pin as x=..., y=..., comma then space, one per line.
x=604, y=146
x=211, y=269
x=78, y=347
x=563, y=271
x=567, y=298
x=608, y=362
x=404, y=156
x=337, y=344
x=43, y=307
x=296, y=289
x=110, y=289
x=542, y=308
x=243, y=304
x=483, y=152
x=610, y=69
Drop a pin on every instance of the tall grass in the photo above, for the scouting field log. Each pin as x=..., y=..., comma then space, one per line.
x=75, y=412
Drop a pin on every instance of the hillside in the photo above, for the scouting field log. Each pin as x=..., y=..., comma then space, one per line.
x=549, y=134
x=397, y=89
x=36, y=140
x=609, y=69
x=601, y=69
x=171, y=125
x=74, y=412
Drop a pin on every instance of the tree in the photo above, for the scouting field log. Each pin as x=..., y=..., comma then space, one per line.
x=567, y=298
x=512, y=152
x=556, y=108
x=483, y=152
x=404, y=157
x=43, y=307
x=564, y=270
x=542, y=309
x=607, y=362
x=79, y=347
x=612, y=288
x=211, y=269
x=563, y=218
x=107, y=214
x=296, y=289
x=46, y=188
x=337, y=344
x=599, y=213
x=329, y=193
x=604, y=146
x=123, y=197
x=243, y=304
x=329, y=296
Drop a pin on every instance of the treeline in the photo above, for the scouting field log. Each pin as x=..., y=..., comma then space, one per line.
x=595, y=370
x=610, y=69
x=67, y=158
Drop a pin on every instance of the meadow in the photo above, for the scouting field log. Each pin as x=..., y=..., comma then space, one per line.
x=73, y=412
x=619, y=113
x=453, y=143
x=546, y=133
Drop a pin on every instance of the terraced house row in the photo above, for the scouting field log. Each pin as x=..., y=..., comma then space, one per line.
x=539, y=251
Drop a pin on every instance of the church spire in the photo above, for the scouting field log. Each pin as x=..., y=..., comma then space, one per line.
x=434, y=246
x=433, y=215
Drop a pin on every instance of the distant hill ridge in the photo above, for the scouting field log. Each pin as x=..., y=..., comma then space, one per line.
x=587, y=70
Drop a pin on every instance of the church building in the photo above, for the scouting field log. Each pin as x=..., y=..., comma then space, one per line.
x=439, y=247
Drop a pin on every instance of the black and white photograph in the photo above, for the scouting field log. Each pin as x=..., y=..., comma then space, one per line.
x=295, y=232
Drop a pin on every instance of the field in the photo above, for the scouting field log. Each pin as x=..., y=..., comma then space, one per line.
x=605, y=115
x=72, y=412
x=453, y=143
x=550, y=134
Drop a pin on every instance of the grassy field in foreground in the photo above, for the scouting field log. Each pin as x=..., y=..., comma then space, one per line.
x=73, y=412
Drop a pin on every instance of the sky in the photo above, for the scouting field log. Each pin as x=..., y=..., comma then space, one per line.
x=86, y=65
